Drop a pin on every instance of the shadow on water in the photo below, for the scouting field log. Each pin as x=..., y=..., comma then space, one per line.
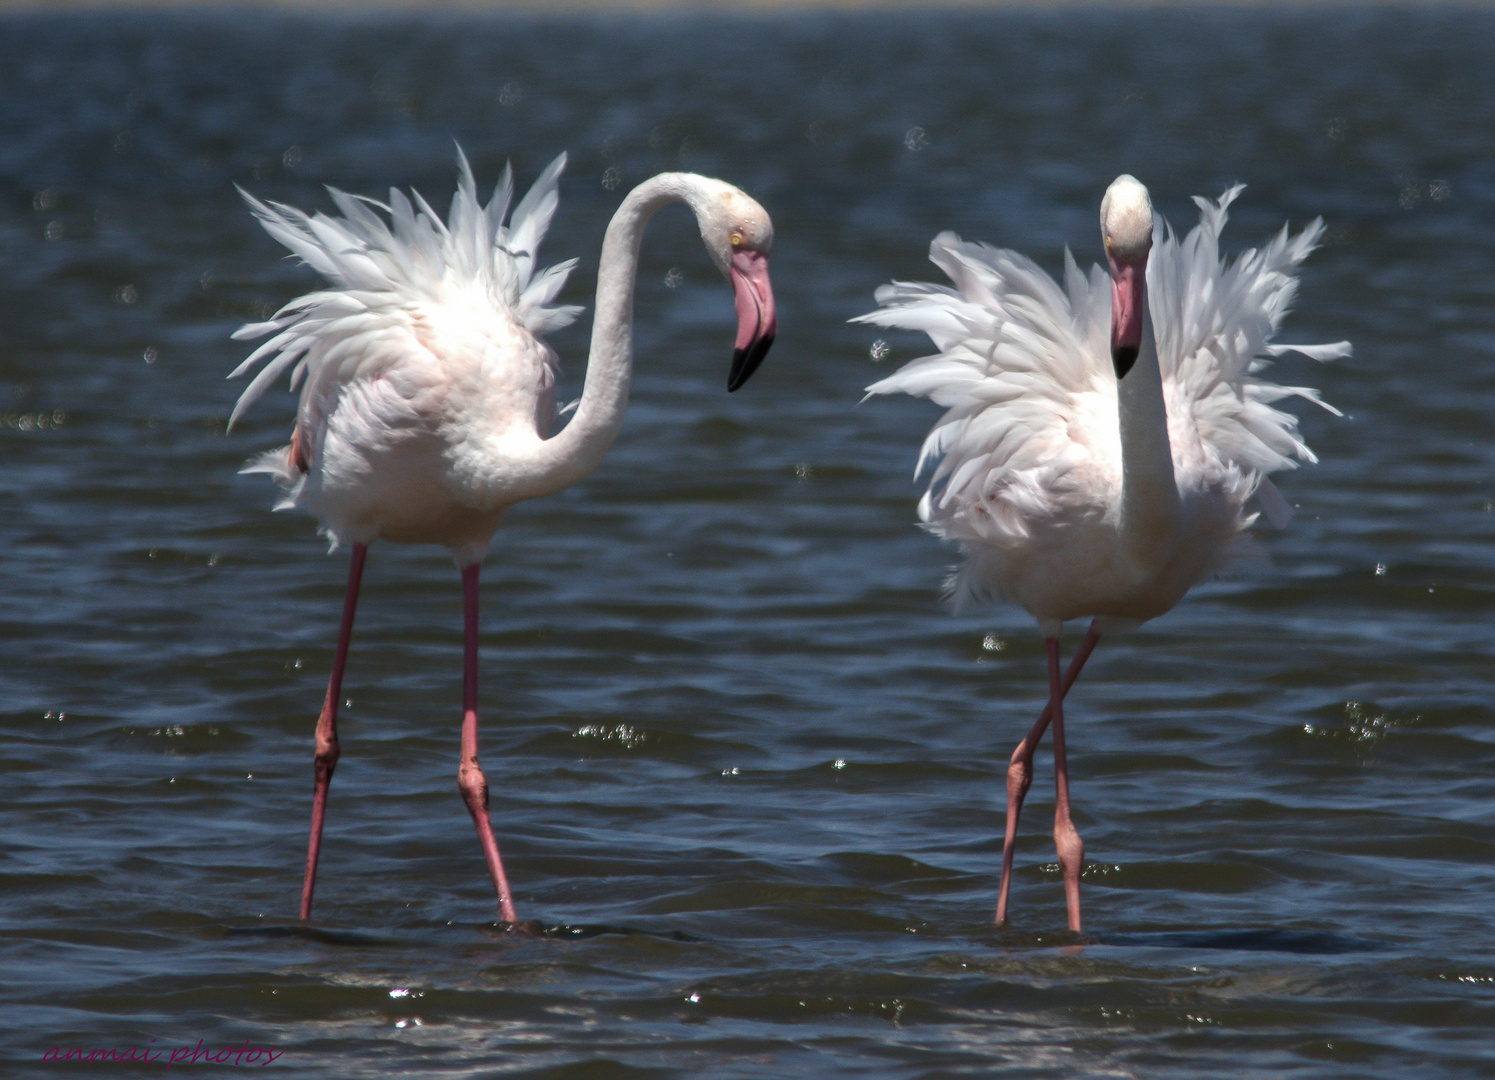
x=561, y=932
x=528, y=930
x=1301, y=942
x=309, y=933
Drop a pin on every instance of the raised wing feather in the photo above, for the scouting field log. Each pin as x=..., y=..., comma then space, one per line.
x=1016, y=355
x=1214, y=322
x=1024, y=374
x=377, y=269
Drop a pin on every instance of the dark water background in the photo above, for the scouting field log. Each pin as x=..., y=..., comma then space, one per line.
x=740, y=757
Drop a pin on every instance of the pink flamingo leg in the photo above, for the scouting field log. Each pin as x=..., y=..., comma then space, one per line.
x=327, y=748
x=470, y=779
x=1020, y=769
x=1066, y=839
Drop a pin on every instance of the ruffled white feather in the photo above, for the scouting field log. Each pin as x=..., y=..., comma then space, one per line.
x=378, y=268
x=1023, y=370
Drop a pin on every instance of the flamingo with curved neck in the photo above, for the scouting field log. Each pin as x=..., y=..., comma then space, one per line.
x=724, y=213
x=427, y=389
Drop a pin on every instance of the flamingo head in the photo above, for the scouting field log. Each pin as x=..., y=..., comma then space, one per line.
x=738, y=234
x=1126, y=227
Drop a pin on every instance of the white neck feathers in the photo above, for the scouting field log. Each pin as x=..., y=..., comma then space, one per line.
x=1150, y=507
x=579, y=447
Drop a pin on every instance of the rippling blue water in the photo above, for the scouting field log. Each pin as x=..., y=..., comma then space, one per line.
x=742, y=762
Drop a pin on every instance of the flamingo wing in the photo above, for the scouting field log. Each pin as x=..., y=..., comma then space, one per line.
x=1023, y=373
x=1214, y=322
x=381, y=272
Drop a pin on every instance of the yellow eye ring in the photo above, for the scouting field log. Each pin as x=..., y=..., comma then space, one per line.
x=736, y=239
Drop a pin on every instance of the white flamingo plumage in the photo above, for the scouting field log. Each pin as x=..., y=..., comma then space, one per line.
x=428, y=392
x=1099, y=444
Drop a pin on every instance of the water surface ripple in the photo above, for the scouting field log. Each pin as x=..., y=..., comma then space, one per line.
x=746, y=773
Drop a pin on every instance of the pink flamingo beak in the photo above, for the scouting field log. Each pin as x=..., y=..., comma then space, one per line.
x=1128, y=305
x=756, y=320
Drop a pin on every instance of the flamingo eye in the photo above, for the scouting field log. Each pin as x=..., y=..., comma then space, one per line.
x=736, y=239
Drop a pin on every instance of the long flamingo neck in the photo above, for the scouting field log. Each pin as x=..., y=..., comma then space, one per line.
x=1150, y=508
x=580, y=446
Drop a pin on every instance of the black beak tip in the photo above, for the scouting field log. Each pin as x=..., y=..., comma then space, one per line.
x=746, y=361
x=1122, y=359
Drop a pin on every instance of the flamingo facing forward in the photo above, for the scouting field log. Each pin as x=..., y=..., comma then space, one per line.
x=428, y=392
x=1100, y=444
